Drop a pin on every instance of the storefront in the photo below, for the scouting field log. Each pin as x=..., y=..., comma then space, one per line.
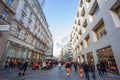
x=106, y=54
x=15, y=52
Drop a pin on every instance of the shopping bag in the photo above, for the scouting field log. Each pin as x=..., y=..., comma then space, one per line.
x=81, y=75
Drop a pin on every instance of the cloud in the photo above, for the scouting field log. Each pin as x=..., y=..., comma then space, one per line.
x=58, y=45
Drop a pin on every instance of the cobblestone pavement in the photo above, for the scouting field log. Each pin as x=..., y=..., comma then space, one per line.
x=53, y=74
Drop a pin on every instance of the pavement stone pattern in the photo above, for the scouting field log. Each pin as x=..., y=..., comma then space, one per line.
x=53, y=74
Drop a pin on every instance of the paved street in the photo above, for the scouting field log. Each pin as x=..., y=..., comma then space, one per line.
x=53, y=74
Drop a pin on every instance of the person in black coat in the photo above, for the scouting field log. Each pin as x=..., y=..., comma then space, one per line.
x=25, y=66
x=86, y=70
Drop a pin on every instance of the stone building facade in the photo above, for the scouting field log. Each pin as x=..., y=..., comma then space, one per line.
x=96, y=33
x=29, y=36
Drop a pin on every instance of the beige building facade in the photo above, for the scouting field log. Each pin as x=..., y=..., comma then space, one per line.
x=29, y=36
x=96, y=33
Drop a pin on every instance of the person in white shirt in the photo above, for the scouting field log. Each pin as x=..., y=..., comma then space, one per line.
x=59, y=65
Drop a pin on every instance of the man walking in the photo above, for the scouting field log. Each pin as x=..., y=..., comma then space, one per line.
x=86, y=70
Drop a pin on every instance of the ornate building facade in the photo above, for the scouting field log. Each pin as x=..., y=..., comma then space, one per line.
x=29, y=36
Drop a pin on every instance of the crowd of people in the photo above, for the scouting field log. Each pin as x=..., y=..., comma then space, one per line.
x=86, y=68
x=22, y=65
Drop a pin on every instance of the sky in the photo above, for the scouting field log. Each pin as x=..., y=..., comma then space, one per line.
x=60, y=15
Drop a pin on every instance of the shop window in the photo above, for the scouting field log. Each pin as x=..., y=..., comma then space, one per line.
x=106, y=56
x=4, y=14
x=100, y=31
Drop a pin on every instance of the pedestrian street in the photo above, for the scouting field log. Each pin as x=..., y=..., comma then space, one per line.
x=52, y=74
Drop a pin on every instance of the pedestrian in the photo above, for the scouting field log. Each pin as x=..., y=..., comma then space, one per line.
x=99, y=68
x=86, y=70
x=44, y=65
x=103, y=67
x=25, y=67
x=68, y=68
x=80, y=70
x=20, y=66
x=93, y=71
x=59, y=65
x=75, y=65
x=7, y=65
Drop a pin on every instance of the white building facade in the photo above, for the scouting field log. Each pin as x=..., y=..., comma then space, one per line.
x=96, y=33
x=29, y=36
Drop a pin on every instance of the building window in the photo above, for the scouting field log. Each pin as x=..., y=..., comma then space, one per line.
x=94, y=10
x=31, y=14
x=118, y=11
x=29, y=24
x=88, y=0
x=100, y=31
x=22, y=17
x=25, y=36
x=9, y=2
x=81, y=44
x=79, y=22
x=85, y=24
x=81, y=3
x=78, y=14
x=18, y=32
x=87, y=40
x=83, y=13
x=88, y=3
x=25, y=7
x=4, y=14
x=35, y=27
x=38, y=30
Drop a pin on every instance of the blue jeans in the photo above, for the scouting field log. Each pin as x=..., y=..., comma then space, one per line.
x=87, y=75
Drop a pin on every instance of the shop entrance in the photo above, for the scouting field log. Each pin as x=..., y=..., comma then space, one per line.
x=106, y=55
